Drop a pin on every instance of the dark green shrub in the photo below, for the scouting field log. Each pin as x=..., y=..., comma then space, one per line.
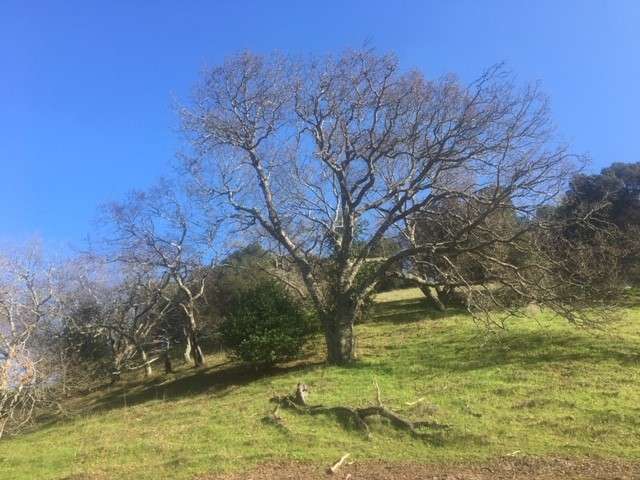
x=264, y=325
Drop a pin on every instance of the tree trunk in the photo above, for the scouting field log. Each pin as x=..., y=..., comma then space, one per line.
x=148, y=370
x=432, y=297
x=198, y=356
x=116, y=368
x=338, y=332
x=168, y=368
x=446, y=294
x=3, y=422
x=192, y=339
x=187, y=346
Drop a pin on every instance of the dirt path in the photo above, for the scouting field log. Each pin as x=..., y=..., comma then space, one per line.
x=523, y=468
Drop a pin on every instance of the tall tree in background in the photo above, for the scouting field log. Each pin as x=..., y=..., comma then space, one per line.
x=329, y=156
x=611, y=199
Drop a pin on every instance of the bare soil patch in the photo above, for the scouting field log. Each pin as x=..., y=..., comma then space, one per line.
x=512, y=468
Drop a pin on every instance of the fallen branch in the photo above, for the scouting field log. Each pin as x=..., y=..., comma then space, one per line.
x=336, y=466
x=298, y=401
x=142, y=365
x=411, y=404
x=275, y=419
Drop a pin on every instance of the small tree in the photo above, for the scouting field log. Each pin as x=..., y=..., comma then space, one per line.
x=264, y=325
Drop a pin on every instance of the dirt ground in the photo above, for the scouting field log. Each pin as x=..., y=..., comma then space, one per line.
x=512, y=468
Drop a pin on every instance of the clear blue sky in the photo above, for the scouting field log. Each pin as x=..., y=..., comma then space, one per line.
x=86, y=86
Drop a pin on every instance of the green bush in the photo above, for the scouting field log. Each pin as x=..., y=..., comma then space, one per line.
x=264, y=325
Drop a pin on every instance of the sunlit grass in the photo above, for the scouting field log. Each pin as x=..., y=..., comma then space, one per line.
x=540, y=388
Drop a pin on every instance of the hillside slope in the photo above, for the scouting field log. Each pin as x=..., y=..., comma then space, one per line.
x=540, y=389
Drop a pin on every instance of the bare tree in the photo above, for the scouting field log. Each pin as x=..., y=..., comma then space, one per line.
x=327, y=156
x=130, y=317
x=26, y=286
x=164, y=232
x=122, y=309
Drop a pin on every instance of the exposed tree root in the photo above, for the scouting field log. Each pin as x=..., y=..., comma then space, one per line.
x=298, y=401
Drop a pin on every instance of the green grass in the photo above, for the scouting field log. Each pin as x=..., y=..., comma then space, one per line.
x=540, y=388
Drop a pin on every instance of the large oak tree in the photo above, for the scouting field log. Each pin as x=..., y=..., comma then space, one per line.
x=330, y=156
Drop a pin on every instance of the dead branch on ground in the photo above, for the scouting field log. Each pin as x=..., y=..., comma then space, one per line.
x=297, y=401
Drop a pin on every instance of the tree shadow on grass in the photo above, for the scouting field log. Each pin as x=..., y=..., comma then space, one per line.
x=407, y=311
x=217, y=380
x=527, y=349
x=476, y=349
x=481, y=349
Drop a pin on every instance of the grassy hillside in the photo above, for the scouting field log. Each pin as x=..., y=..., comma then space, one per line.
x=540, y=388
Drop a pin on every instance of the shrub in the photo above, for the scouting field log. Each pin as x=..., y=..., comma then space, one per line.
x=264, y=325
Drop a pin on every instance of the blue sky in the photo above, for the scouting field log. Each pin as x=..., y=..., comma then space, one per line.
x=86, y=87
